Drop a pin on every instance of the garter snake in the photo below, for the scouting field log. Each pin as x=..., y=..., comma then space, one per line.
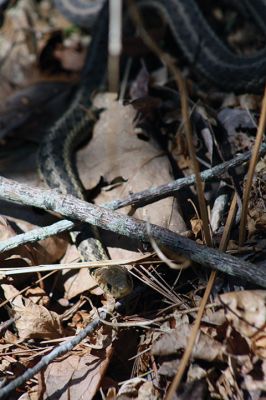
x=201, y=47
x=56, y=158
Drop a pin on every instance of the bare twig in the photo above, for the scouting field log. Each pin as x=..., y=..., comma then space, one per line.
x=58, y=351
x=148, y=196
x=6, y=324
x=35, y=234
x=130, y=227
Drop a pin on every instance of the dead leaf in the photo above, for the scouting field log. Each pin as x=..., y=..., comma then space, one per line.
x=245, y=310
x=116, y=151
x=37, y=295
x=76, y=377
x=17, y=47
x=256, y=217
x=34, y=321
x=196, y=226
x=226, y=385
x=233, y=120
x=137, y=388
x=259, y=344
x=22, y=256
x=77, y=282
x=256, y=378
x=206, y=348
x=80, y=282
x=168, y=368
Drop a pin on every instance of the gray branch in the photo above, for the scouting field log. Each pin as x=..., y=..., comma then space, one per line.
x=35, y=234
x=130, y=227
x=148, y=196
x=137, y=200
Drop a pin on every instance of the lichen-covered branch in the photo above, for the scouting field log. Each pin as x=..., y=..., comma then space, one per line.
x=35, y=235
x=151, y=195
x=131, y=227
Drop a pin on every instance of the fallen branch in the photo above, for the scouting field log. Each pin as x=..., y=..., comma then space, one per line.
x=35, y=235
x=130, y=227
x=148, y=196
x=138, y=199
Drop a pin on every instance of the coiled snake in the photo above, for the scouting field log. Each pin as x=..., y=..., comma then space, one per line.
x=200, y=45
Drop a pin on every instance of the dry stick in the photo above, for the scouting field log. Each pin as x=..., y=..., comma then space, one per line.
x=6, y=324
x=130, y=227
x=151, y=195
x=58, y=351
x=138, y=199
x=194, y=331
x=252, y=166
x=35, y=235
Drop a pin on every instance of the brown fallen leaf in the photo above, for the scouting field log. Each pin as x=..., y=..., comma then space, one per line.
x=256, y=217
x=206, y=348
x=18, y=47
x=196, y=226
x=245, y=310
x=137, y=388
x=258, y=344
x=37, y=295
x=117, y=151
x=255, y=380
x=21, y=256
x=34, y=321
x=226, y=385
x=77, y=282
x=80, y=282
x=76, y=377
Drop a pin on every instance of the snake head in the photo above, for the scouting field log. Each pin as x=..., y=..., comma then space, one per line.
x=114, y=280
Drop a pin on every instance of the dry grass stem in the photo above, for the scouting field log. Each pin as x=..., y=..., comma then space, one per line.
x=250, y=174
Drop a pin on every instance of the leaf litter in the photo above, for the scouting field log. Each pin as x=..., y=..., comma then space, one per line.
x=134, y=147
